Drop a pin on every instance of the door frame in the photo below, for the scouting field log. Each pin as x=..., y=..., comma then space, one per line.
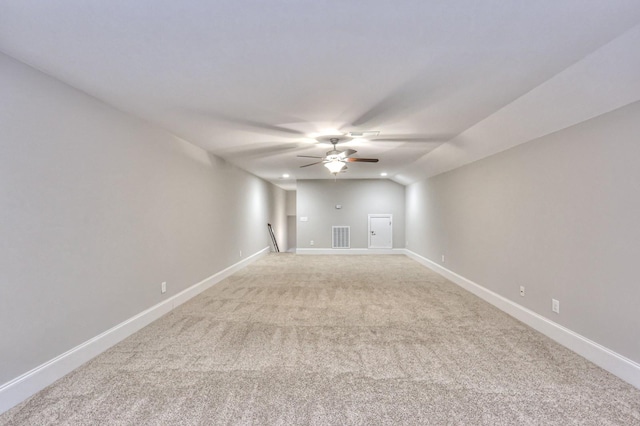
x=385, y=215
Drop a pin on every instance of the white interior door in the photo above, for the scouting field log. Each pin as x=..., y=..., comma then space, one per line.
x=380, y=227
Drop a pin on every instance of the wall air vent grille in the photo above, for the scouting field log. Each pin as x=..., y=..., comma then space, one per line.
x=340, y=237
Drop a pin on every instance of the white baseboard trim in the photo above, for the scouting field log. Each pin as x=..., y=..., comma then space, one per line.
x=22, y=387
x=349, y=251
x=626, y=369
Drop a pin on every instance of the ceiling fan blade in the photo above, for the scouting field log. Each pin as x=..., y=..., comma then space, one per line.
x=413, y=138
x=361, y=160
x=264, y=126
x=262, y=150
x=251, y=125
x=309, y=156
x=413, y=95
x=307, y=165
x=347, y=152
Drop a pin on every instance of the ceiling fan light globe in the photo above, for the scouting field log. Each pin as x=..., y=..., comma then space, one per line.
x=334, y=166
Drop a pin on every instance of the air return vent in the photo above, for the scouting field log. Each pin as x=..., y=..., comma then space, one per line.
x=340, y=237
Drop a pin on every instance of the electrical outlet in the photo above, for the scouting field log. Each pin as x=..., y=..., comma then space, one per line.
x=555, y=306
x=443, y=258
x=240, y=253
x=522, y=290
x=163, y=287
x=311, y=243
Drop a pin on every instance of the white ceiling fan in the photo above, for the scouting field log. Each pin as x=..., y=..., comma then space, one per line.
x=336, y=160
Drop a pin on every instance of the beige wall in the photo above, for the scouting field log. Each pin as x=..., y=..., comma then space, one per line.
x=278, y=216
x=559, y=215
x=291, y=203
x=99, y=208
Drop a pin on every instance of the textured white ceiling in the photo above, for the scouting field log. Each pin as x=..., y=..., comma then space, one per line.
x=448, y=81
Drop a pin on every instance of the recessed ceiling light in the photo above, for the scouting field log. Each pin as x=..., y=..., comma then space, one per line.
x=285, y=175
x=383, y=174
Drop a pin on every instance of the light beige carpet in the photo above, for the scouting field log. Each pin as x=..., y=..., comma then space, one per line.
x=335, y=340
